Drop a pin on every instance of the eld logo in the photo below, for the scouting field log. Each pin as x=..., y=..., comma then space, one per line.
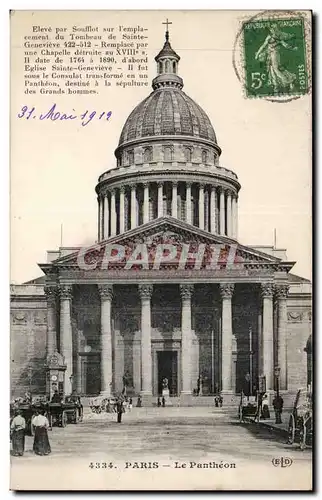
x=282, y=462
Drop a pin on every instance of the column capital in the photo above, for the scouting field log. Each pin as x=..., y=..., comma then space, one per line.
x=133, y=186
x=227, y=290
x=122, y=189
x=189, y=184
x=213, y=188
x=105, y=291
x=145, y=184
x=186, y=291
x=65, y=292
x=174, y=183
x=112, y=191
x=51, y=291
x=160, y=183
x=202, y=185
x=145, y=291
x=267, y=290
x=281, y=291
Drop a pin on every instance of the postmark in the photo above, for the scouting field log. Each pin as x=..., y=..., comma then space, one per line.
x=271, y=56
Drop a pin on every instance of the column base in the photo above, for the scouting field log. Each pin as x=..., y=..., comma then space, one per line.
x=185, y=398
x=228, y=397
x=106, y=394
x=147, y=399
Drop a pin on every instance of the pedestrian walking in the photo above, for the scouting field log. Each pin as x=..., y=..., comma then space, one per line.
x=159, y=402
x=17, y=431
x=265, y=410
x=130, y=406
x=139, y=402
x=278, y=403
x=41, y=442
x=119, y=410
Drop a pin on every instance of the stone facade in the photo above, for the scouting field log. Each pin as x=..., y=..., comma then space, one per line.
x=196, y=323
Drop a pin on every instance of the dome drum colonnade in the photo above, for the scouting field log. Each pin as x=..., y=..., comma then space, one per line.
x=168, y=164
x=128, y=205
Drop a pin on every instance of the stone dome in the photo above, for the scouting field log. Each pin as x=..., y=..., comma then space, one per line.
x=167, y=111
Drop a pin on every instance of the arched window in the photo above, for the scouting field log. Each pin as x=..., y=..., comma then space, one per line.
x=188, y=154
x=147, y=155
x=167, y=153
x=167, y=66
x=174, y=67
x=204, y=156
x=215, y=158
x=130, y=155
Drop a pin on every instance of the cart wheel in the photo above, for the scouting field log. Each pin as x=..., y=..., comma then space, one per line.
x=64, y=419
x=291, y=430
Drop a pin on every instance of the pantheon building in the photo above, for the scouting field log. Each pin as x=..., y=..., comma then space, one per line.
x=167, y=290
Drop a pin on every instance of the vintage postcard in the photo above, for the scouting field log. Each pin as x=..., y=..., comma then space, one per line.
x=161, y=250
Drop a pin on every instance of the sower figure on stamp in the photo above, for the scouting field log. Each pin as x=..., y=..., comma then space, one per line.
x=269, y=53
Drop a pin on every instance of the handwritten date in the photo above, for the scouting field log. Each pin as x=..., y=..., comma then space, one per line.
x=54, y=115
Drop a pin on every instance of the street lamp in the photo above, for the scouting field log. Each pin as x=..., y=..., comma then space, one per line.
x=277, y=379
x=71, y=379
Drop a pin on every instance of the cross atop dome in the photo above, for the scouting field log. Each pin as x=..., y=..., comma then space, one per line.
x=167, y=22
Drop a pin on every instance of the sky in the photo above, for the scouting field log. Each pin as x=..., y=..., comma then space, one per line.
x=55, y=165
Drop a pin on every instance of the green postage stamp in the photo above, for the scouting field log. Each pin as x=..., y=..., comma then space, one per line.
x=275, y=57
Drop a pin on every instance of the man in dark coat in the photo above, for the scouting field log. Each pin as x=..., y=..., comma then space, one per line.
x=278, y=403
x=119, y=410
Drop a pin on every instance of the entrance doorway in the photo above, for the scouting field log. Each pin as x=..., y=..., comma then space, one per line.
x=168, y=368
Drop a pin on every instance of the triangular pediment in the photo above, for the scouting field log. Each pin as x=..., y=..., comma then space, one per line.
x=164, y=238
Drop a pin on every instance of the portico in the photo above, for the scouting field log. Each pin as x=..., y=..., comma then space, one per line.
x=138, y=324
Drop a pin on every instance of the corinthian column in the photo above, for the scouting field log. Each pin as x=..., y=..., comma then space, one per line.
x=122, y=212
x=160, y=199
x=66, y=336
x=106, y=294
x=222, y=212
x=106, y=217
x=134, y=216
x=186, y=293
x=145, y=292
x=188, y=203
x=202, y=206
x=281, y=293
x=213, y=210
x=146, y=203
x=174, y=208
x=268, y=347
x=99, y=212
x=113, y=213
x=226, y=290
x=229, y=215
x=51, y=337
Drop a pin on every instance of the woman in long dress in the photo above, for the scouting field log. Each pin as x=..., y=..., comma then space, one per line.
x=269, y=52
x=41, y=442
x=17, y=428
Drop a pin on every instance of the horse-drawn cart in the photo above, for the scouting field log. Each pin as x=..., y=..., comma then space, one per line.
x=248, y=408
x=300, y=427
x=60, y=414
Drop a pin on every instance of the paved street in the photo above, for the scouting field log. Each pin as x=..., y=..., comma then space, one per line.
x=168, y=436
